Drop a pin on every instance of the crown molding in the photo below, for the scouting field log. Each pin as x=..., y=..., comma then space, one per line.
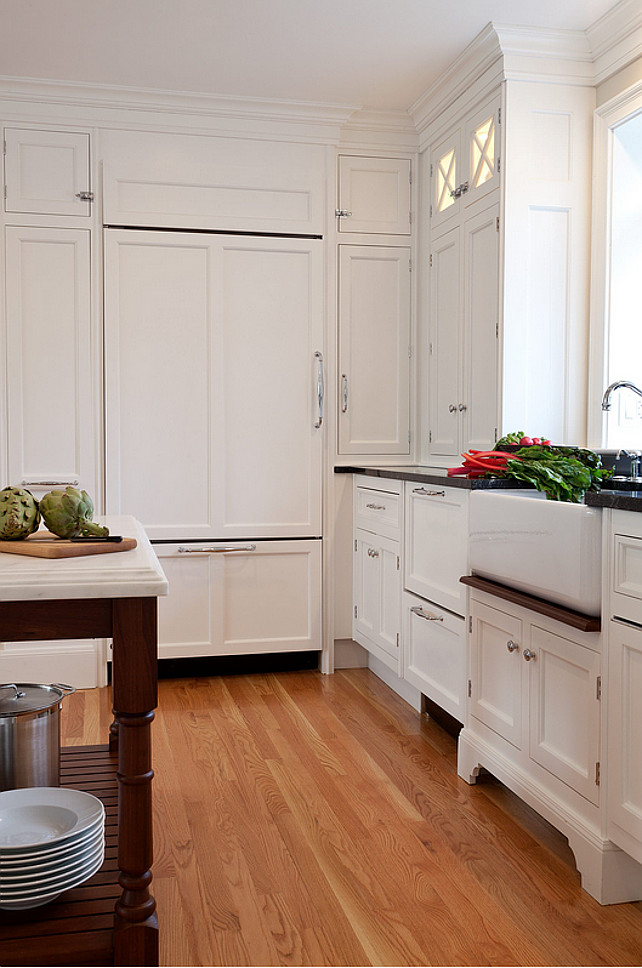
x=369, y=129
x=105, y=103
x=616, y=38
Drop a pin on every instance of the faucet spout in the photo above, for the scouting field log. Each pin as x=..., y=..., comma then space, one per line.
x=618, y=385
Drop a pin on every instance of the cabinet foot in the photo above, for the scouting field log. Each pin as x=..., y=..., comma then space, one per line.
x=136, y=944
x=608, y=874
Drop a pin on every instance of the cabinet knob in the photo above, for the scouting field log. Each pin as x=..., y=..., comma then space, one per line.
x=462, y=407
x=372, y=553
x=512, y=646
x=452, y=407
x=528, y=655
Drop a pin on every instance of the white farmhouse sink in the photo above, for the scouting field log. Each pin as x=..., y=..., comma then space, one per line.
x=547, y=548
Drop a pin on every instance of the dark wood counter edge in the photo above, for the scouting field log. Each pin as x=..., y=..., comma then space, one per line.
x=577, y=620
x=424, y=476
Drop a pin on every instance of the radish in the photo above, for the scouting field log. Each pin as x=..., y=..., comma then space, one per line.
x=526, y=442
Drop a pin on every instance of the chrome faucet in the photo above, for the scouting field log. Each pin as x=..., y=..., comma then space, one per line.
x=608, y=393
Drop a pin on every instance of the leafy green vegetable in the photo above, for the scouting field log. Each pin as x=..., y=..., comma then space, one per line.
x=513, y=438
x=562, y=473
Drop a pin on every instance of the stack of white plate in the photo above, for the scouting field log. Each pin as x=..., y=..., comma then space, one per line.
x=51, y=839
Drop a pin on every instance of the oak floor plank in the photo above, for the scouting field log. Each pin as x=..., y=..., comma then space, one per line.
x=303, y=819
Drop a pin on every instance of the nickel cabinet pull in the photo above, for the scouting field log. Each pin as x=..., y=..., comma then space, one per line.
x=528, y=655
x=429, y=616
x=372, y=553
x=377, y=507
x=423, y=490
x=71, y=482
x=222, y=550
x=344, y=382
x=320, y=389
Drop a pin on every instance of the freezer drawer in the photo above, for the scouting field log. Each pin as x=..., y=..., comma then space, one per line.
x=435, y=653
x=240, y=598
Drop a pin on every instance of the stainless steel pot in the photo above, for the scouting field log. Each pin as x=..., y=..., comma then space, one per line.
x=30, y=734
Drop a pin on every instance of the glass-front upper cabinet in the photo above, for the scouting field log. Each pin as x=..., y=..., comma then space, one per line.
x=465, y=164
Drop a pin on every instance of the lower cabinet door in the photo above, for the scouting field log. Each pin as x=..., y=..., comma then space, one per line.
x=565, y=710
x=497, y=643
x=435, y=653
x=625, y=737
x=240, y=598
x=377, y=591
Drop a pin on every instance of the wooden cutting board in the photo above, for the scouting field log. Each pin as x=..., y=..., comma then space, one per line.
x=43, y=544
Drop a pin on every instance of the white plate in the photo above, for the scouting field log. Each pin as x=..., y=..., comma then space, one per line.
x=58, y=865
x=60, y=882
x=44, y=815
x=22, y=903
x=18, y=858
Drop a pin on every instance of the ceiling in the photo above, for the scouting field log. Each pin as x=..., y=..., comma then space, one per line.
x=376, y=54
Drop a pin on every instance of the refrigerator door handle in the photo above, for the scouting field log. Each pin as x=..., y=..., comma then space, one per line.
x=219, y=550
x=320, y=388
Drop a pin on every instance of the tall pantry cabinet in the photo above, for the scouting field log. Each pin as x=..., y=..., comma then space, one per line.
x=49, y=347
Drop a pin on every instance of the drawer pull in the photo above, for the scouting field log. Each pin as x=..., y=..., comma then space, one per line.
x=377, y=507
x=423, y=490
x=70, y=482
x=372, y=553
x=429, y=616
x=223, y=550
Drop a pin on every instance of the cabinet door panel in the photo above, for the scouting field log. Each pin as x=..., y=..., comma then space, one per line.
x=496, y=672
x=51, y=431
x=481, y=321
x=376, y=192
x=159, y=374
x=435, y=654
x=625, y=735
x=268, y=322
x=565, y=710
x=436, y=551
x=265, y=598
x=210, y=377
x=377, y=591
x=374, y=336
x=447, y=177
x=445, y=345
x=482, y=147
x=45, y=171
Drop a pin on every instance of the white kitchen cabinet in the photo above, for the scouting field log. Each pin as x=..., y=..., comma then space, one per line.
x=623, y=538
x=212, y=356
x=51, y=389
x=536, y=685
x=374, y=350
x=374, y=195
x=434, y=654
x=436, y=544
x=376, y=623
x=216, y=183
x=464, y=165
x=240, y=598
x=47, y=172
x=464, y=266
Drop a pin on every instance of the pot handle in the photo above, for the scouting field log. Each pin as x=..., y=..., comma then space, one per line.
x=66, y=689
x=12, y=685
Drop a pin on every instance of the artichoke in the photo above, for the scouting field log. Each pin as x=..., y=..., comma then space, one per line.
x=68, y=514
x=19, y=514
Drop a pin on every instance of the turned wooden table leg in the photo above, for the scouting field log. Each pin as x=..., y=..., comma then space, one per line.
x=135, y=698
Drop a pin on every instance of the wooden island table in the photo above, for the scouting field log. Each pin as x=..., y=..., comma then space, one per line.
x=111, y=918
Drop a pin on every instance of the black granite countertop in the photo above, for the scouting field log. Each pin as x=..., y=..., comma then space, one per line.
x=622, y=500
x=434, y=475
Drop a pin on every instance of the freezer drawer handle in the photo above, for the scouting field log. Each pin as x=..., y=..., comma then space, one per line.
x=377, y=507
x=429, y=616
x=423, y=490
x=73, y=482
x=320, y=388
x=223, y=550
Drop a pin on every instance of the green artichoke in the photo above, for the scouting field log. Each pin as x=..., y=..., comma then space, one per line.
x=19, y=514
x=68, y=514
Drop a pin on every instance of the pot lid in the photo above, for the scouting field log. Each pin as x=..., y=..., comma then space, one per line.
x=29, y=697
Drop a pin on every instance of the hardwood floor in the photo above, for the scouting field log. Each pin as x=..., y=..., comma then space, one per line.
x=303, y=819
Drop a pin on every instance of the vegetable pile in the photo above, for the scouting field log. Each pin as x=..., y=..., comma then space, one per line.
x=66, y=514
x=562, y=473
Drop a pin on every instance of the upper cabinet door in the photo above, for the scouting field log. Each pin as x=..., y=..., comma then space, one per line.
x=482, y=141
x=47, y=172
x=447, y=180
x=374, y=195
x=51, y=425
x=212, y=407
x=446, y=404
x=374, y=336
